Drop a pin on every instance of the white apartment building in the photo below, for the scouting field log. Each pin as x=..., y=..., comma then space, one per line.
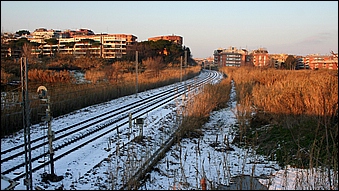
x=73, y=42
x=110, y=46
x=39, y=35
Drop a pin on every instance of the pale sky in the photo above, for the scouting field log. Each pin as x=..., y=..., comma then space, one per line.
x=292, y=27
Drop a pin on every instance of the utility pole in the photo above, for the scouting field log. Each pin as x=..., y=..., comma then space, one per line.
x=180, y=68
x=136, y=71
x=185, y=62
x=185, y=58
x=26, y=123
x=130, y=124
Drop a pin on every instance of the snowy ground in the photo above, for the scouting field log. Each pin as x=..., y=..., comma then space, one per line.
x=181, y=168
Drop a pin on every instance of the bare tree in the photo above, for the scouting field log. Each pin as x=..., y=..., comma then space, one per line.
x=154, y=65
x=335, y=57
x=116, y=72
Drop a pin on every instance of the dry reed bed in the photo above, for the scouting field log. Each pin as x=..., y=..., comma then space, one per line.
x=282, y=99
x=67, y=96
x=302, y=93
x=290, y=115
x=198, y=109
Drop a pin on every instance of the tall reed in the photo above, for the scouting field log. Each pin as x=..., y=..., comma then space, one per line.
x=67, y=96
x=294, y=114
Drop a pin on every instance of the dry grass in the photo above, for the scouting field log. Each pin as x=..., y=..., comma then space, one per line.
x=49, y=76
x=66, y=96
x=198, y=107
x=6, y=77
x=294, y=112
x=299, y=110
x=286, y=93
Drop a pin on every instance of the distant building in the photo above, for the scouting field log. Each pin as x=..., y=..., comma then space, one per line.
x=231, y=57
x=41, y=34
x=8, y=52
x=316, y=61
x=260, y=57
x=301, y=64
x=216, y=55
x=277, y=59
x=173, y=38
x=76, y=42
x=106, y=46
x=130, y=39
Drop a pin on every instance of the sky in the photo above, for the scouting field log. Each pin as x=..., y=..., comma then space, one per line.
x=291, y=27
x=182, y=167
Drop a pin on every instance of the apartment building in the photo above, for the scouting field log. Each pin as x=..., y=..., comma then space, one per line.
x=216, y=56
x=260, y=57
x=173, y=38
x=41, y=34
x=231, y=57
x=316, y=61
x=76, y=42
x=7, y=51
x=106, y=46
x=277, y=59
x=301, y=64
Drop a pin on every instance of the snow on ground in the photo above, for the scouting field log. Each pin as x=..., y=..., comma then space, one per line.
x=207, y=156
x=212, y=156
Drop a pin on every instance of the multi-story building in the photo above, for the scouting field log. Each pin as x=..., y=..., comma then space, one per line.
x=277, y=59
x=316, y=61
x=83, y=42
x=73, y=42
x=231, y=57
x=260, y=57
x=41, y=34
x=216, y=55
x=130, y=39
x=7, y=51
x=300, y=64
x=107, y=46
x=173, y=38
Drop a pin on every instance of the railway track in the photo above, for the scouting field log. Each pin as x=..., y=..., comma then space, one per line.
x=77, y=135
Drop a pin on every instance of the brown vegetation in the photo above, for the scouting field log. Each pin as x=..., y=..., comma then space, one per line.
x=289, y=116
x=198, y=107
x=50, y=76
x=299, y=110
x=67, y=96
x=6, y=77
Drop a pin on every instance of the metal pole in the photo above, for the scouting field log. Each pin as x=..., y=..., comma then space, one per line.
x=130, y=124
x=180, y=68
x=26, y=123
x=50, y=135
x=185, y=58
x=136, y=71
x=185, y=62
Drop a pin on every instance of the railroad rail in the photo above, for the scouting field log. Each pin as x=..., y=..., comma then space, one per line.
x=83, y=133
